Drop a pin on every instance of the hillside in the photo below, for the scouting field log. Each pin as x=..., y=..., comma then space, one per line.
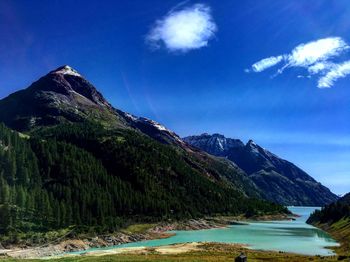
x=279, y=180
x=335, y=219
x=80, y=162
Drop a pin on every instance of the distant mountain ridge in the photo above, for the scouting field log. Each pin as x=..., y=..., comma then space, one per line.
x=215, y=144
x=279, y=180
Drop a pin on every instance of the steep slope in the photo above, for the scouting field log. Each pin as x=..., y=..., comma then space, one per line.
x=97, y=166
x=65, y=96
x=335, y=219
x=153, y=129
x=333, y=212
x=280, y=180
x=216, y=144
x=61, y=96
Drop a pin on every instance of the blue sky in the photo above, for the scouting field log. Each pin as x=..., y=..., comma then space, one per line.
x=190, y=66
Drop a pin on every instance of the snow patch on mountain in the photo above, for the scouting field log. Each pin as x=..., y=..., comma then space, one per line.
x=215, y=144
x=253, y=147
x=154, y=124
x=131, y=117
x=67, y=70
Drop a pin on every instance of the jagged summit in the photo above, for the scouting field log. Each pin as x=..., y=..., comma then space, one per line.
x=280, y=180
x=215, y=144
x=251, y=142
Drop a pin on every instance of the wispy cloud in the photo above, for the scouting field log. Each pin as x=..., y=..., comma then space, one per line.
x=320, y=67
x=338, y=71
x=183, y=29
x=266, y=63
x=315, y=56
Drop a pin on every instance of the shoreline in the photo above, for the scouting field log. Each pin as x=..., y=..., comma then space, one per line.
x=192, y=251
x=342, y=237
x=155, y=231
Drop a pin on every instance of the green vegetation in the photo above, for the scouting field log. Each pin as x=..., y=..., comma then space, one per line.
x=99, y=180
x=335, y=219
x=332, y=213
x=138, y=228
x=341, y=231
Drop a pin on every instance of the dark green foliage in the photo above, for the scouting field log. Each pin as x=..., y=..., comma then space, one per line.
x=20, y=181
x=85, y=175
x=332, y=213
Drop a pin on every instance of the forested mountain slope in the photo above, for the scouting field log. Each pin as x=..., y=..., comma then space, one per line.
x=79, y=161
x=333, y=212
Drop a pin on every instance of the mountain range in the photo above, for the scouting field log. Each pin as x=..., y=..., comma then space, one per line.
x=279, y=180
x=68, y=157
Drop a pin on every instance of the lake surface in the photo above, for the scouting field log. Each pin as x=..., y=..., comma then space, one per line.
x=289, y=236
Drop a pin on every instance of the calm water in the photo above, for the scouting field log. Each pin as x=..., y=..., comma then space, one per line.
x=289, y=236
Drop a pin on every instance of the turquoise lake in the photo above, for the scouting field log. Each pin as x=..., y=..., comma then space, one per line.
x=289, y=236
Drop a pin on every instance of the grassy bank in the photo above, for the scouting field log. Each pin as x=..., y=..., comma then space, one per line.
x=340, y=231
x=138, y=228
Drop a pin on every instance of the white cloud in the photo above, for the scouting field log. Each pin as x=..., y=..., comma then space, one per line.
x=305, y=55
x=338, y=71
x=315, y=56
x=183, y=30
x=320, y=67
x=266, y=63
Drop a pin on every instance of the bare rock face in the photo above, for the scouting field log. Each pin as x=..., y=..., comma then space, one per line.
x=280, y=180
x=62, y=95
x=216, y=144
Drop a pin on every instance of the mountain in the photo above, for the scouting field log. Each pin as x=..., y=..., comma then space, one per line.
x=64, y=96
x=67, y=157
x=61, y=96
x=279, y=180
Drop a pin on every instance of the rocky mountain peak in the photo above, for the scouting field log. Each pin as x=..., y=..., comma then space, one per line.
x=59, y=96
x=251, y=143
x=280, y=180
x=216, y=144
x=66, y=70
x=217, y=135
x=67, y=81
x=254, y=147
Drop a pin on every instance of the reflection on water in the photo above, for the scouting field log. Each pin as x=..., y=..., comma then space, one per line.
x=302, y=232
x=289, y=236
